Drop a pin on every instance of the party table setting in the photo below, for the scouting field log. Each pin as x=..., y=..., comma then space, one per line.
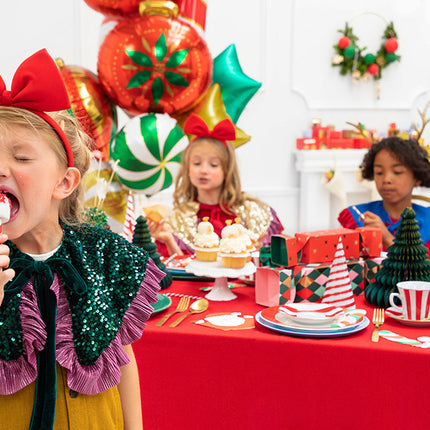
x=246, y=365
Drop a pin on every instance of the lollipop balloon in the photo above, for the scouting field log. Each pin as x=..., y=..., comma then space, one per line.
x=5, y=206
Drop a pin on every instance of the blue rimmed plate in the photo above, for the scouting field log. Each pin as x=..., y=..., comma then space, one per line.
x=311, y=333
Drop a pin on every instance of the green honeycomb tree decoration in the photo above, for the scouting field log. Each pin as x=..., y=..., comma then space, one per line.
x=407, y=260
x=142, y=238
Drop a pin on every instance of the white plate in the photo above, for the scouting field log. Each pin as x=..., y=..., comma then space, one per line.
x=310, y=313
x=348, y=321
x=310, y=333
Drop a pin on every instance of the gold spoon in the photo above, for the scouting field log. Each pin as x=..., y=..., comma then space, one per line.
x=196, y=307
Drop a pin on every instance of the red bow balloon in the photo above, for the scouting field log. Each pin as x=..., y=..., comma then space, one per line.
x=223, y=131
x=38, y=87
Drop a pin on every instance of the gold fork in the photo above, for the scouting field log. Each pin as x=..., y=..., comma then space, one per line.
x=378, y=320
x=182, y=306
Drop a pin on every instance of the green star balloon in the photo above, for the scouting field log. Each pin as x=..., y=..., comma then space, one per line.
x=237, y=88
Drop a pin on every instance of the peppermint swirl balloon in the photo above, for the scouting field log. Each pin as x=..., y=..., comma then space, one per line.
x=148, y=150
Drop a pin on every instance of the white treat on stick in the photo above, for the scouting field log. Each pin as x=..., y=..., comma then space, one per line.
x=5, y=206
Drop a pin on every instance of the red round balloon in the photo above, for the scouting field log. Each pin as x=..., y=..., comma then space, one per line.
x=115, y=7
x=154, y=64
x=90, y=105
x=391, y=45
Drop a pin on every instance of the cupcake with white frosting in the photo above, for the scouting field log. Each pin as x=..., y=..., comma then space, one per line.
x=233, y=246
x=206, y=241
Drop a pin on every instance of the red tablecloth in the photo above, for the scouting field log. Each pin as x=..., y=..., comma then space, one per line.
x=195, y=377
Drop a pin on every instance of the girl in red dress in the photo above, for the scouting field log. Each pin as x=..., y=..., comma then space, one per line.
x=208, y=185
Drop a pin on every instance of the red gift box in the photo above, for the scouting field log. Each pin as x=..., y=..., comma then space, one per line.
x=341, y=143
x=284, y=250
x=307, y=143
x=370, y=241
x=320, y=246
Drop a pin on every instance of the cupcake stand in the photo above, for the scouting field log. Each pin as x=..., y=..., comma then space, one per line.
x=220, y=290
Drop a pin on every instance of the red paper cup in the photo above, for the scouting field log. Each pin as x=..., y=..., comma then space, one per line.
x=415, y=298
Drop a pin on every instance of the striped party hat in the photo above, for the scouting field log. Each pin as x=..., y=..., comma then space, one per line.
x=338, y=291
x=130, y=219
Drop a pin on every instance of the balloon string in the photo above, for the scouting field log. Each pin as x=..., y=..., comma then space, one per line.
x=99, y=200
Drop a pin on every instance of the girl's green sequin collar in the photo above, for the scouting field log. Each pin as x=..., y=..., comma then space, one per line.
x=101, y=273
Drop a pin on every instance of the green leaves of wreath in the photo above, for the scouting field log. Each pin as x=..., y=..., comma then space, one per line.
x=353, y=59
x=159, y=63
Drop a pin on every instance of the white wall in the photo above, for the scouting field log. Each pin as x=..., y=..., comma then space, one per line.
x=286, y=45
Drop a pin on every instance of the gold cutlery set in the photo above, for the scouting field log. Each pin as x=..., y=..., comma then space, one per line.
x=196, y=307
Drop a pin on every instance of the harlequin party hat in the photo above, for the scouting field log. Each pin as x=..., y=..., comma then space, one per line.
x=338, y=291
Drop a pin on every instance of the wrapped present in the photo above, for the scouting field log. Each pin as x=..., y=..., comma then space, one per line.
x=310, y=280
x=307, y=143
x=370, y=241
x=284, y=250
x=372, y=267
x=320, y=246
x=304, y=282
x=274, y=286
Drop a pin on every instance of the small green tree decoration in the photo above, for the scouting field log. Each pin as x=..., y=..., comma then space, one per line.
x=142, y=239
x=96, y=217
x=407, y=260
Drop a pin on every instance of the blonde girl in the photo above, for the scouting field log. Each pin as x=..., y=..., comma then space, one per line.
x=208, y=185
x=73, y=296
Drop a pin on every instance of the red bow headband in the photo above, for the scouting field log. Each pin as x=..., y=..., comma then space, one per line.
x=38, y=87
x=223, y=131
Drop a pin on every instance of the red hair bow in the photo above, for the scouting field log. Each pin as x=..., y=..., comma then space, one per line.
x=38, y=87
x=223, y=131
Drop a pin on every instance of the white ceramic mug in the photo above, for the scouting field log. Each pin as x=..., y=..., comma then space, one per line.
x=415, y=298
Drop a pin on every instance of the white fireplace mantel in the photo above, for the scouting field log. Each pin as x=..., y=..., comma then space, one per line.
x=318, y=207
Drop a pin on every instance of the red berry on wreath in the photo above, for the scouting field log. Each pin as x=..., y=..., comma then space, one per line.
x=391, y=45
x=373, y=69
x=344, y=42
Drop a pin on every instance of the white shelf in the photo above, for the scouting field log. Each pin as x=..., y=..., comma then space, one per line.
x=318, y=208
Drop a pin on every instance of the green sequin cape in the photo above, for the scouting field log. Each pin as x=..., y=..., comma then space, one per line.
x=100, y=275
x=104, y=261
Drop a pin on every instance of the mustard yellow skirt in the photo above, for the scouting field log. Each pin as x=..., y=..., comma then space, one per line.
x=81, y=412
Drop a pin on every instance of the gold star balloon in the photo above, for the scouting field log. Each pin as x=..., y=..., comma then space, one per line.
x=212, y=110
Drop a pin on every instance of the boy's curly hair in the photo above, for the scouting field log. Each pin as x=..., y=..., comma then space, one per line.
x=409, y=152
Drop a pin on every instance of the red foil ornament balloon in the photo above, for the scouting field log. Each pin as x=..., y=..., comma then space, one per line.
x=115, y=7
x=154, y=64
x=90, y=105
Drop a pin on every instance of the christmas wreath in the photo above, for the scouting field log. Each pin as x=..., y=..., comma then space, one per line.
x=353, y=59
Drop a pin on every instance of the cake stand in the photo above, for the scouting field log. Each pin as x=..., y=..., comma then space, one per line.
x=214, y=269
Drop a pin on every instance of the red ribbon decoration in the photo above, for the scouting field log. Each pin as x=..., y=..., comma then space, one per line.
x=223, y=131
x=39, y=87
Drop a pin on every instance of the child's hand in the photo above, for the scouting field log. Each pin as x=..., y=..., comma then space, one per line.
x=372, y=220
x=259, y=242
x=160, y=231
x=6, y=274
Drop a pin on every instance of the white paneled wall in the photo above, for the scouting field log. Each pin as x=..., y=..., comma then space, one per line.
x=286, y=45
